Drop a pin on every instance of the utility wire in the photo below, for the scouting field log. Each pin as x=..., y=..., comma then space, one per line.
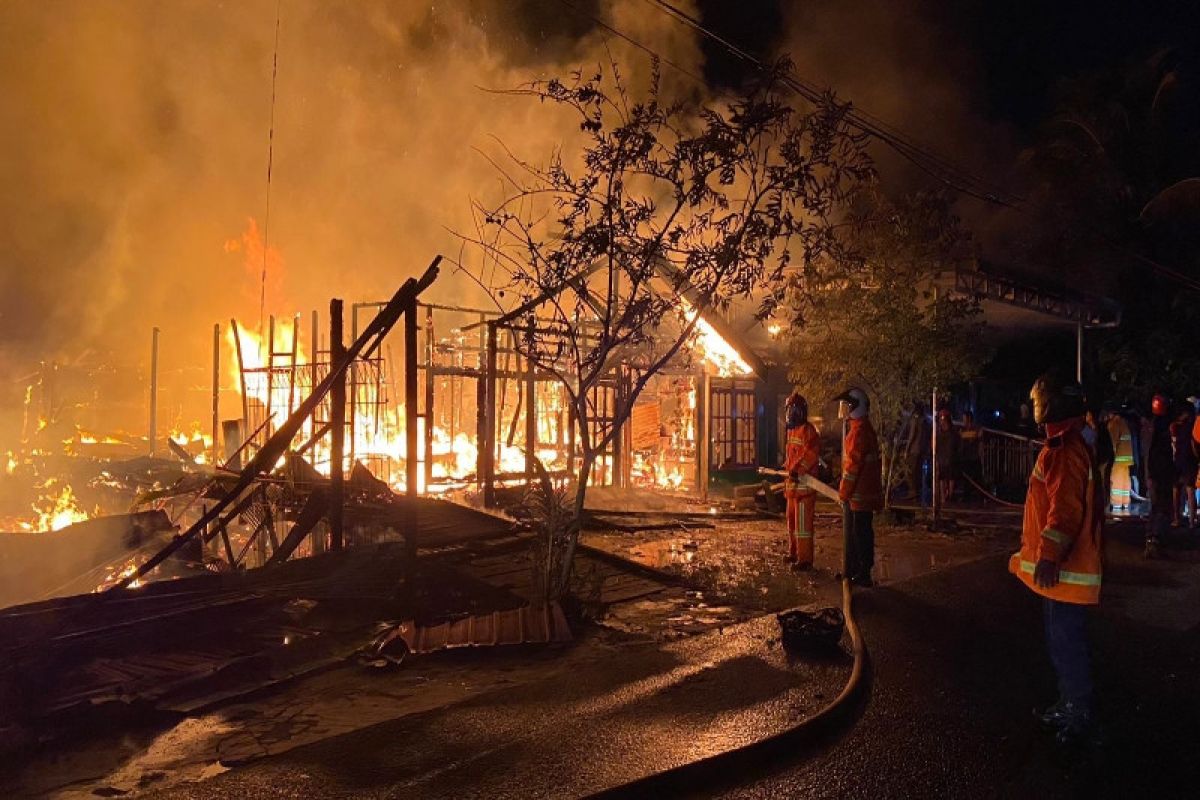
x=937, y=166
x=602, y=24
x=262, y=301
x=932, y=163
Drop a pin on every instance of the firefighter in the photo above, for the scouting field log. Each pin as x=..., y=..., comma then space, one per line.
x=861, y=488
x=1121, y=479
x=1060, y=549
x=803, y=452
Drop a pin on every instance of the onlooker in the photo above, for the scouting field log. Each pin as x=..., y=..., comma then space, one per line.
x=917, y=452
x=1185, y=467
x=1160, y=473
x=947, y=455
x=970, y=457
x=1025, y=424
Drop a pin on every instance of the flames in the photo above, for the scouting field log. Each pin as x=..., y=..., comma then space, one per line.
x=706, y=343
x=54, y=510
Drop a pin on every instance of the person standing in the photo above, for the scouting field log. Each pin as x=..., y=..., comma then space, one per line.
x=1184, y=495
x=803, y=453
x=1160, y=473
x=1102, y=450
x=947, y=455
x=1121, y=483
x=970, y=440
x=861, y=487
x=917, y=452
x=1060, y=555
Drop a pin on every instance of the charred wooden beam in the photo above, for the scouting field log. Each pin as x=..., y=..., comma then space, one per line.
x=410, y=426
x=487, y=442
x=264, y=460
x=337, y=424
x=314, y=509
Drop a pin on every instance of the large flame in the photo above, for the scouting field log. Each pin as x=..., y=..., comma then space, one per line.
x=55, y=510
x=708, y=344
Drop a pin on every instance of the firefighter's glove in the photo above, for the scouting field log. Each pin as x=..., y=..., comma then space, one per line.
x=1045, y=574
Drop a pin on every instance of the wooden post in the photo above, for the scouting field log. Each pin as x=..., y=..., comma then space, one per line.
x=337, y=417
x=352, y=411
x=703, y=432
x=153, y=391
x=410, y=431
x=237, y=344
x=292, y=374
x=487, y=443
x=428, y=397
x=216, y=395
x=933, y=465
x=270, y=366
x=1079, y=353
x=530, y=419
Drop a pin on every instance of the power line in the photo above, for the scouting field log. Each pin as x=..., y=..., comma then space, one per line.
x=602, y=24
x=934, y=164
x=939, y=167
x=262, y=301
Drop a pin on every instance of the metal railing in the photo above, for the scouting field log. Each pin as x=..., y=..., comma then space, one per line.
x=1007, y=460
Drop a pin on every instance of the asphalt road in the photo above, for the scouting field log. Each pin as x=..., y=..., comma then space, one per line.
x=958, y=667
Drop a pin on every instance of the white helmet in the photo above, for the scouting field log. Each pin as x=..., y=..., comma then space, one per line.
x=857, y=403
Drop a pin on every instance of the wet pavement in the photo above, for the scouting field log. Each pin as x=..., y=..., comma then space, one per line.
x=740, y=565
x=958, y=667
x=642, y=708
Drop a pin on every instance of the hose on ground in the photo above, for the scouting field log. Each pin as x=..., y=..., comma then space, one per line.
x=991, y=496
x=782, y=747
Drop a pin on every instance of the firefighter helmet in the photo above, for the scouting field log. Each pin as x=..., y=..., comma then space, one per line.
x=1056, y=398
x=858, y=405
x=795, y=410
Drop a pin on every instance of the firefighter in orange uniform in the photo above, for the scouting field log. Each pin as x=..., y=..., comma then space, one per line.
x=1060, y=548
x=861, y=486
x=803, y=452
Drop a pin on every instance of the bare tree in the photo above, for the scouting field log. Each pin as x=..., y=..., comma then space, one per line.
x=667, y=212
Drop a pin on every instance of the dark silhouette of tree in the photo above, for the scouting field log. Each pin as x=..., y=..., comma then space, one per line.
x=668, y=211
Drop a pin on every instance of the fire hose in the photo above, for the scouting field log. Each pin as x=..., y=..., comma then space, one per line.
x=808, y=735
x=991, y=496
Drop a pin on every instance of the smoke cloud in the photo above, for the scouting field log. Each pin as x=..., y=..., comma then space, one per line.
x=133, y=186
x=907, y=64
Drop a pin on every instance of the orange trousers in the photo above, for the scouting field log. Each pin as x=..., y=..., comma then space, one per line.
x=801, y=513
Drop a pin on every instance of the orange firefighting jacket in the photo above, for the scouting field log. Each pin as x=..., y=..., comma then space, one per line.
x=862, y=476
x=1063, y=518
x=803, y=451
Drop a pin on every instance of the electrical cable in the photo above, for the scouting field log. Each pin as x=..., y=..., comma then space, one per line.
x=262, y=302
x=932, y=163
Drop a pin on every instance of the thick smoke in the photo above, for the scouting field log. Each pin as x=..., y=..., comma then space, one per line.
x=135, y=139
x=906, y=64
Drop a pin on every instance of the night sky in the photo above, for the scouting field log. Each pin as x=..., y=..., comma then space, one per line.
x=1024, y=47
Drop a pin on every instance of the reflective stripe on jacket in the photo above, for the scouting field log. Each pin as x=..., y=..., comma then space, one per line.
x=1063, y=518
x=803, y=452
x=862, y=473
